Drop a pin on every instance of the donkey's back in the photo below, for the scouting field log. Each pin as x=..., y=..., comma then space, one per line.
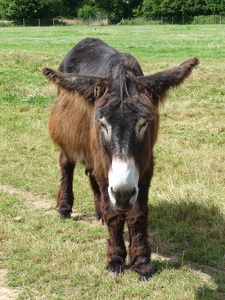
x=93, y=57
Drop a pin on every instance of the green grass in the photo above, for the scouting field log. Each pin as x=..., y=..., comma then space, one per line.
x=50, y=259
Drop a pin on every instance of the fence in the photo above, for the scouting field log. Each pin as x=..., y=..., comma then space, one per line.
x=99, y=21
x=211, y=19
x=56, y=22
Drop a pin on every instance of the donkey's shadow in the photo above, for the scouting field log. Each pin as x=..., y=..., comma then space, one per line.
x=194, y=235
x=186, y=233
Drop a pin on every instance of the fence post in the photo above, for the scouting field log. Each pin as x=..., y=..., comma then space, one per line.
x=39, y=22
x=23, y=22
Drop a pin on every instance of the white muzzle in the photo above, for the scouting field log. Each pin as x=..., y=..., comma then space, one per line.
x=123, y=183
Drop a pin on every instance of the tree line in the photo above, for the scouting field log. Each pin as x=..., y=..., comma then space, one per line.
x=113, y=9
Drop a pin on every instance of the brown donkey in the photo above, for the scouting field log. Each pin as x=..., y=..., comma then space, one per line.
x=106, y=117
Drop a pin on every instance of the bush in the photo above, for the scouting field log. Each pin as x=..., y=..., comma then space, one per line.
x=6, y=23
x=138, y=21
x=86, y=11
x=213, y=19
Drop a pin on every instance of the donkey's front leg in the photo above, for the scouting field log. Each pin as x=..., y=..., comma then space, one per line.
x=116, y=251
x=139, y=249
x=97, y=196
x=65, y=194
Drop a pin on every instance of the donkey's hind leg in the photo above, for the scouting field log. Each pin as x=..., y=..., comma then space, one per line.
x=65, y=196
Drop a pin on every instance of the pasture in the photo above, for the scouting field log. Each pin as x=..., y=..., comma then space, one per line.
x=43, y=257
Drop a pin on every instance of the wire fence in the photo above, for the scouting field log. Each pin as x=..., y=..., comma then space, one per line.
x=56, y=22
x=101, y=21
x=211, y=19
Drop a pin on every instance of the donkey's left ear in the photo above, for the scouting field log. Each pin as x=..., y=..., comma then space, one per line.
x=158, y=84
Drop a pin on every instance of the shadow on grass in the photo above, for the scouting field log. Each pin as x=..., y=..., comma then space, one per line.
x=193, y=234
x=189, y=234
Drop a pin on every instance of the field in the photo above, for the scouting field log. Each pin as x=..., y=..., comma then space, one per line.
x=42, y=257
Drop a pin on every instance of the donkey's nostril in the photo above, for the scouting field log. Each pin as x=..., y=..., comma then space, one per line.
x=133, y=192
x=113, y=193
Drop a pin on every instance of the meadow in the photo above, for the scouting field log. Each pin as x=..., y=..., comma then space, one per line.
x=43, y=257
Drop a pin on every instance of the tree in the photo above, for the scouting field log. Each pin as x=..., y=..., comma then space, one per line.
x=173, y=9
x=86, y=11
x=197, y=8
x=151, y=8
x=216, y=6
x=117, y=9
x=69, y=8
x=114, y=9
x=17, y=9
x=179, y=8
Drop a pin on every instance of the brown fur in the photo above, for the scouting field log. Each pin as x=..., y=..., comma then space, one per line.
x=66, y=134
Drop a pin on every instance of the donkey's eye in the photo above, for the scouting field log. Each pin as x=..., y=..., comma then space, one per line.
x=141, y=127
x=105, y=127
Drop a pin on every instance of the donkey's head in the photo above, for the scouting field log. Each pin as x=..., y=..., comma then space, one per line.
x=126, y=116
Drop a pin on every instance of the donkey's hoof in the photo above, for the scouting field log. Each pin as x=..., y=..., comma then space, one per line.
x=116, y=267
x=65, y=214
x=145, y=271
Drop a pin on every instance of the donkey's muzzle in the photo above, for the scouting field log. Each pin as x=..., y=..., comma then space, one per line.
x=123, y=183
x=125, y=199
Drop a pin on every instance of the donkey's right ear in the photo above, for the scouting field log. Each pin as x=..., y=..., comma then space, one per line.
x=89, y=87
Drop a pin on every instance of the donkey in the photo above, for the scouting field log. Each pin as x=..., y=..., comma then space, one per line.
x=106, y=117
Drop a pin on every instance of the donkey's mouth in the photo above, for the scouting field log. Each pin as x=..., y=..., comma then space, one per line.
x=123, y=210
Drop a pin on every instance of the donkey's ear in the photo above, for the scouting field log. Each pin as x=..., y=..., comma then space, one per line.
x=89, y=87
x=158, y=84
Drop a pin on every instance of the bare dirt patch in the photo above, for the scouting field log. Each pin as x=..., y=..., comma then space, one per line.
x=5, y=292
x=32, y=201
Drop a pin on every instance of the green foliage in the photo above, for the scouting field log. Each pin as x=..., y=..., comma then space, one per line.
x=151, y=8
x=86, y=11
x=180, y=8
x=19, y=9
x=115, y=9
x=16, y=9
x=138, y=21
x=137, y=12
x=69, y=8
x=208, y=20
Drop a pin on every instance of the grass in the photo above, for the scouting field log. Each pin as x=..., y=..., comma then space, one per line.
x=50, y=259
